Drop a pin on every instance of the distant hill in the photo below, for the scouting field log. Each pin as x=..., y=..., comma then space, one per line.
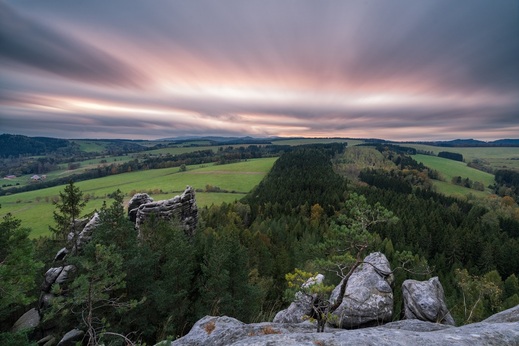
x=215, y=140
x=474, y=143
x=14, y=145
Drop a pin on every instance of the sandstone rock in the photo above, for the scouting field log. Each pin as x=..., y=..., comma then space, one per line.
x=78, y=225
x=50, y=277
x=85, y=235
x=368, y=299
x=225, y=330
x=301, y=306
x=28, y=320
x=71, y=337
x=425, y=300
x=61, y=254
x=220, y=331
x=510, y=315
x=47, y=341
x=134, y=204
x=46, y=300
x=56, y=275
x=65, y=274
x=182, y=208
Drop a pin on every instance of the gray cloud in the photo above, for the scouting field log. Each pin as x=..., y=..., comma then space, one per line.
x=39, y=46
x=432, y=50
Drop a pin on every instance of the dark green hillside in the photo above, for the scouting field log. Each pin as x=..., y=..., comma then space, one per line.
x=15, y=145
x=304, y=176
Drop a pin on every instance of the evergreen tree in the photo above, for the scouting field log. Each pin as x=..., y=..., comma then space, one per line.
x=17, y=266
x=68, y=209
x=95, y=292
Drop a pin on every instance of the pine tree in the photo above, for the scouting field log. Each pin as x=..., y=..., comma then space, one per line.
x=68, y=209
x=17, y=266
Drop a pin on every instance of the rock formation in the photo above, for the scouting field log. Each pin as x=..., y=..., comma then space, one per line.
x=133, y=205
x=500, y=329
x=425, y=300
x=301, y=306
x=369, y=298
x=182, y=208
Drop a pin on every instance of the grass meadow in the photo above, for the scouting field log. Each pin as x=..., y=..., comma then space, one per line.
x=495, y=157
x=449, y=169
x=35, y=208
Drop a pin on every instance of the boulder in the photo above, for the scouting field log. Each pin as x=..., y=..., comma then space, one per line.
x=56, y=275
x=28, y=320
x=65, y=274
x=368, y=299
x=425, y=300
x=46, y=300
x=301, y=306
x=182, y=208
x=50, y=277
x=220, y=331
x=71, y=338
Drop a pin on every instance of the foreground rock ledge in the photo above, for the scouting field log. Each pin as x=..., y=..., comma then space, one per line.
x=500, y=329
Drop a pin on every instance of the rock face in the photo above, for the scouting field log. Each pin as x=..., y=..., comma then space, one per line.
x=77, y=241
x=425, y=300
x=28, y=320
x=500, y=329
x=182, y=208
x=301, y=306
x=71, y=338
x=134, y=204
x=368, y=299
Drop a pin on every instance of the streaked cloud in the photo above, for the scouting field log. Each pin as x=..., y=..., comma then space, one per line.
x=432, y=69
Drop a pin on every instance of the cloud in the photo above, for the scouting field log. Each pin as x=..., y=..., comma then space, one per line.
x=393, y=69
x=39, y=46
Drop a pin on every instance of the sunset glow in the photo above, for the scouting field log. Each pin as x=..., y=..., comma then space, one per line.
x=394, y=69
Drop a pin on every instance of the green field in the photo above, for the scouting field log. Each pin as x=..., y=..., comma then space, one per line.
x=449, y=169
x=495, y=157
x=35, y=208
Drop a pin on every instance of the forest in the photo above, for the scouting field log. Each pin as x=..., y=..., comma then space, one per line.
x=156, y=285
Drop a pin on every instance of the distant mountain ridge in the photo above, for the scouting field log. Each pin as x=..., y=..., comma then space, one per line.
x=12, y=144
x=508, y=142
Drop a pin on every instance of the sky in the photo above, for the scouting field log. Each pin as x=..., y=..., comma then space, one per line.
x=400, y=70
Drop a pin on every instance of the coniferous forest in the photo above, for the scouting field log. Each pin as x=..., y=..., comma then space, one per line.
x=155, y=285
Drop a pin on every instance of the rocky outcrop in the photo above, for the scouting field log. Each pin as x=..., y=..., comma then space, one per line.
x=425, y=300
x=368, y=299
x=133, y=205
x=510, y=315
x=500, y=329
x=301, y=306
x=182, y=208
x=76, y=242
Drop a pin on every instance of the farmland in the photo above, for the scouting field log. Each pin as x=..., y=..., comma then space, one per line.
x=449, y=169
x=35, y=208
x=494, y=157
